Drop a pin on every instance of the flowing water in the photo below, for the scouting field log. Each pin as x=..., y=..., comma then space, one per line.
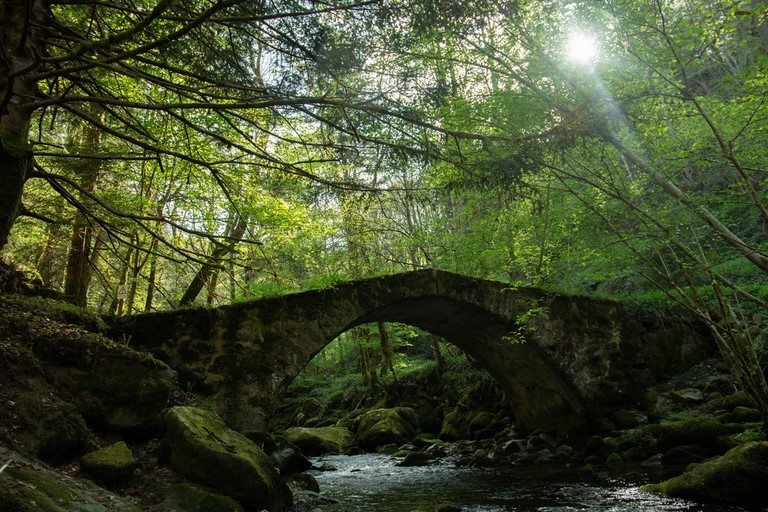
x=373, y=483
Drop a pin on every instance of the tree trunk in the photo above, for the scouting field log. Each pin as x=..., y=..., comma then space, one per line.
x=22, y=39
x=49, y=264
x=438, y=354
x=213, y=281
x=115, y=308
x=151, y=283
x=13, y=174
x=203, y=275
x=78, y=276
x=362, y=358
x=386, y=349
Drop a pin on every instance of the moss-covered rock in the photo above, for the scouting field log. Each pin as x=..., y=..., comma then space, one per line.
x=629, y=418
x=463, y=423
x=320, y=440
x=729, y=402
x=190, y=498
x=738, y=477
x=204, y=450
x=27, y=486
x=743, y=414
x=701, y=430
x=426, y=440
x=384, y=426
x=112, y=466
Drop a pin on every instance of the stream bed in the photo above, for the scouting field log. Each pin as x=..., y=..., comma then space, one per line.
x=372, y=482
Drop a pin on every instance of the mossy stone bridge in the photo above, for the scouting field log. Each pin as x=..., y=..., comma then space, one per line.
x=582, y=357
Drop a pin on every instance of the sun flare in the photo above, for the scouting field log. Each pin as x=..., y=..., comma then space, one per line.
x=581, y=48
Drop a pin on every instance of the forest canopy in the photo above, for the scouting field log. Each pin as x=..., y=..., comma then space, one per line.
x=200, y=152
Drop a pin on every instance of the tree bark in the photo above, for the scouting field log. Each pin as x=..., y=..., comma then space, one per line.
x=21, y=38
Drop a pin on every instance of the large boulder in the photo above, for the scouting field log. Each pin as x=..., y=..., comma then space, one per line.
x=204, y=450
x=738, y=477
x=320, y=440
x=386, y=426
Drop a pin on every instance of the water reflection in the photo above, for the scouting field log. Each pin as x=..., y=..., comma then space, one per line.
x=363, y=483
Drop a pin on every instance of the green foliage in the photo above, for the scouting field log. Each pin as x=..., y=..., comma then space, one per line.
x=325, y=282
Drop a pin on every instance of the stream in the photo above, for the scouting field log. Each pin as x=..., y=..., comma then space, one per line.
x=372, y=482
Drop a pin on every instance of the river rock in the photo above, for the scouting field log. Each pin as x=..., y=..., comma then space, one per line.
x=127, y=393
x=384, y=426
x=111, y=466
x=628, y=418
x=687, y=396
x=445, y=507
x=414, y=459
x=743, y=414
x=120, y=389
x=729, y=402
x=287, y=457
x=207, y=452
x=304, y=481
x=736, y=478
x=320, y=440
x=684, y=455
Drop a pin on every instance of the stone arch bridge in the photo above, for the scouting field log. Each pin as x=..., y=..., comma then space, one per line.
x=582, y=357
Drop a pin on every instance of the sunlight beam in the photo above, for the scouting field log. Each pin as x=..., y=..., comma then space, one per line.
x=581, y=48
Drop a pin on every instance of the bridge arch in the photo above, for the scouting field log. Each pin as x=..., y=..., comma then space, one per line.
x=580, y=355
x=538, y=393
